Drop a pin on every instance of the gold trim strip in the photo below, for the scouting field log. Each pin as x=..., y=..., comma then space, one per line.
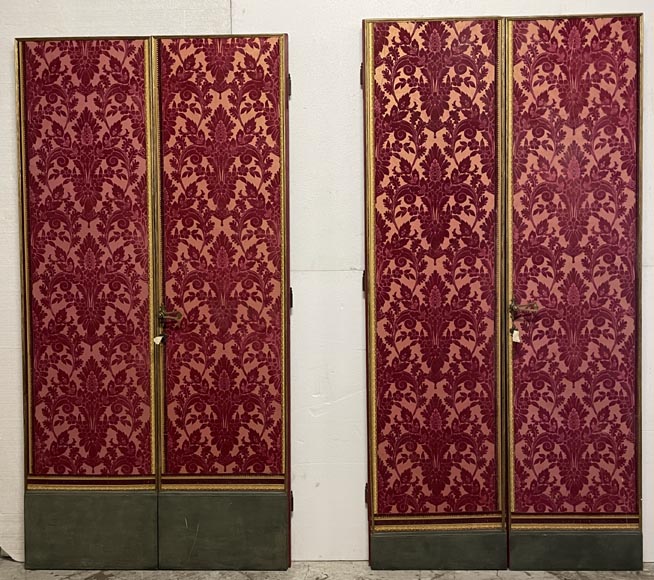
x=499, y=269
x=282, y=204
x=45, y=487
x=576, y=16
x=26, y=326
x=223, y=476
x=575, y=526
x=23, y=39
x=436, y=19
x=438, y=527
x=369, y=91
x=369, y=146
x=158, y=37
x=34, y=479
x=156, y=232
x=426, y=517
x=519, y=517
x=150, y=193
x=225, y=487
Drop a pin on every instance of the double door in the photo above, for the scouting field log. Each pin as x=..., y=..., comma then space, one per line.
x=154, y=199
x=502, y=212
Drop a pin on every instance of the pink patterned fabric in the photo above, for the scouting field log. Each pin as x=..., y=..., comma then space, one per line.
x=575, y=216
x=435, y=191
x=222, y=193
x=88, y=257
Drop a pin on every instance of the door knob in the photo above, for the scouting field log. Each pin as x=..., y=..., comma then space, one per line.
x=517, y=310
x=167, y=316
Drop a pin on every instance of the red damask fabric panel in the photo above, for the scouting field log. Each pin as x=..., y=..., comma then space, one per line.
x=86, y=205
x=223, y=164
x=575, y=181
x=432, y=195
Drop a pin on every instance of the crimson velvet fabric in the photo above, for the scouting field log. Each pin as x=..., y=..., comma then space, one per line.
x=87, y=259
x=575, y=153
x=223, y=204
x=435, y=193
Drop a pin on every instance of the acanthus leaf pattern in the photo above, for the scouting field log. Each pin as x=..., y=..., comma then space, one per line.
x=435, y=188
x=88, y=257
x=223, y=204
x=575, y=207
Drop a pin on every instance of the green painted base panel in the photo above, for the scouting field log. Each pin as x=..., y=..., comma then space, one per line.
x=583, y=550
x=87, y=530
x=438, y=550
x=223, y=531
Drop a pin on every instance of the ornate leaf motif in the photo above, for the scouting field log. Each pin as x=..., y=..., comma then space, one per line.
x=435, y=190
x=223, y=241
x=88, y=257
x=575, y=173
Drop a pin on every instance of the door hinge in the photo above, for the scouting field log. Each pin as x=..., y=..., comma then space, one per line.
x=366, y=494
x=291, y=501
x=289, y=86
x=361, y=75
x=290, y=297
x=364, y=282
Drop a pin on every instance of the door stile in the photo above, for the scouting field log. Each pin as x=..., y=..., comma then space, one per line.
x=63, y=505
x=432, y=534
x=284, y=95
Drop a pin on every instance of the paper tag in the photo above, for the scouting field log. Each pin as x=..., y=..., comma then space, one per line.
x=158, y=339
x=515, y=335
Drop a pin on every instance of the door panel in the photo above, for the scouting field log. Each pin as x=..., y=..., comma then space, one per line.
x=431, y=95
x=218, y=458
x=87, y=301
x=224, y=195
x=569, y=328
x=574, y=170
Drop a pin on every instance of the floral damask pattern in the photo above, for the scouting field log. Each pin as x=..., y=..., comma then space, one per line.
x=435, y=191
x=575, y=181
x=222, y=192
x=88, y=257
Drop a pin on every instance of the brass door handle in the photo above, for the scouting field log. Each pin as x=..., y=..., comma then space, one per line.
x=166, y=316
x=517, y=310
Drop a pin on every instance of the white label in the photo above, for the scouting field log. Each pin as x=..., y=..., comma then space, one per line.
x=515, y=335
x=158, y=339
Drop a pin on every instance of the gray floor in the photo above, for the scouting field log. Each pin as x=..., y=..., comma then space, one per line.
x=314, y=571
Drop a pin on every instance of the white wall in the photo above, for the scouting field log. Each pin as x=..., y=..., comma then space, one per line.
x=328, y=363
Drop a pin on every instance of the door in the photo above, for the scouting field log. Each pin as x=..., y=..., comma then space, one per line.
x=503, y=344
x=156, y=302
x=225, y=463
x=574, y=159
x=433, y=132
x=87, y=304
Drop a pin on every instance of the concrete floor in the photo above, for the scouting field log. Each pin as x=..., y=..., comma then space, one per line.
x=10, y=570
